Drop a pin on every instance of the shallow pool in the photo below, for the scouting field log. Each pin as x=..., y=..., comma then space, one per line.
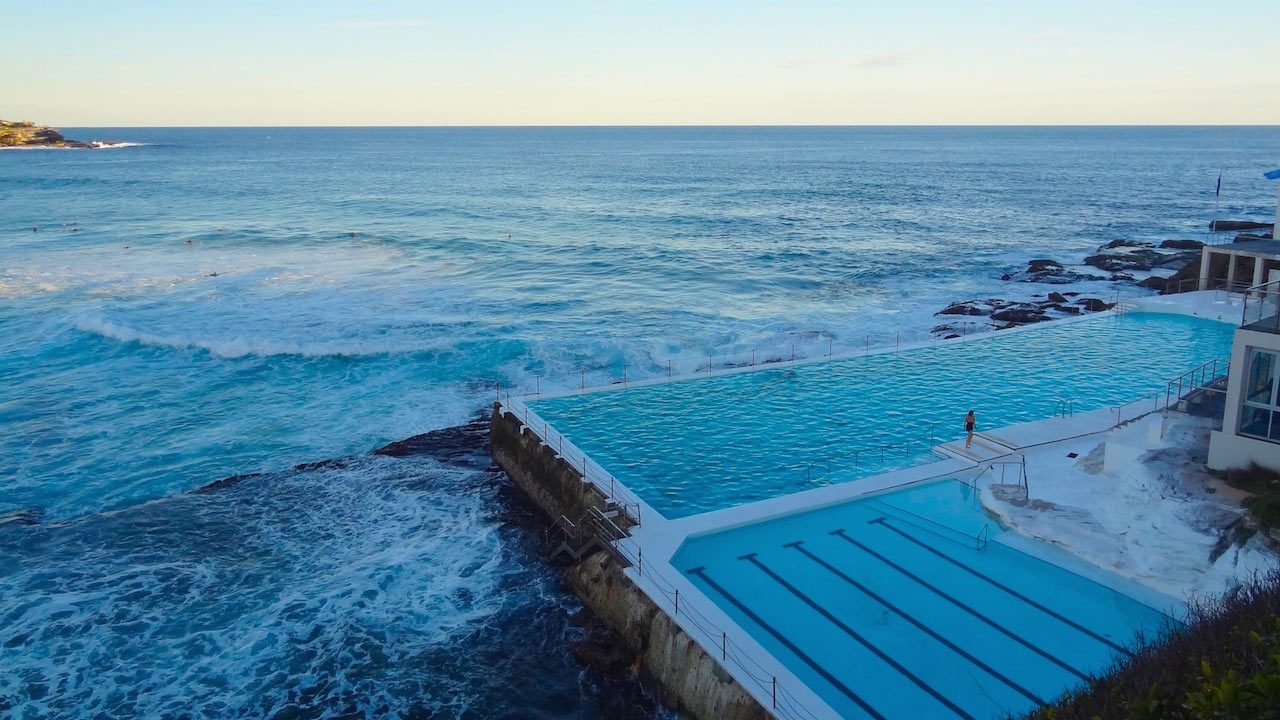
x=902, y=606
x=703, y=444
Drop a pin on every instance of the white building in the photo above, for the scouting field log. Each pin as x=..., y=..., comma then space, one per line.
x=1251, y=422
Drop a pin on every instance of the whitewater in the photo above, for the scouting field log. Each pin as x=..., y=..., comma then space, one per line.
x=209, y=303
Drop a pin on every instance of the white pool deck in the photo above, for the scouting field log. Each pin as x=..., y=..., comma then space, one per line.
x=657, y=538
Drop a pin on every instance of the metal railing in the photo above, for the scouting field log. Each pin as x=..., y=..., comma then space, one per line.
x=713, y=639
x=1221, y=285
x=1195, y=379
x=1019, y=467
x=603, y=481
x=978, y=539
x=1260, y=310
x=1066, y=407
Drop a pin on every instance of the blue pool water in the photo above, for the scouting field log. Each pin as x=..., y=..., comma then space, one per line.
x=135, y=367
x=698, y=445
x=886, y=614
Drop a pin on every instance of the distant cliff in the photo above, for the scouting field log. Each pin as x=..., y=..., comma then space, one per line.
x=28, y=134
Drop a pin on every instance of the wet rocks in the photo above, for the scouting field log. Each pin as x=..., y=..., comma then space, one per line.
x=964, y=308
x=1181, y=245
x=1021, y=314
x=1050, y=272
x=1094, y=304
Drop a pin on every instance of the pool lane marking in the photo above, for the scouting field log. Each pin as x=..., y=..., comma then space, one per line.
x=963, y=606
x=701, y=574
x=1104, y=640
x=919, y=625
x=751, y=558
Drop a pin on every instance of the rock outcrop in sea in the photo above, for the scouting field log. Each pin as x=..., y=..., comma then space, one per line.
x=1161, y=267
x=26, y=134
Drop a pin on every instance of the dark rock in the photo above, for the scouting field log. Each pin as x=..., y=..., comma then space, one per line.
x=1154, y=283
x=951, y=336
x=1021, y=315
x=604, y=650
x=1048, y=271
x=963, y=308
x=1094, y=304
x=1071, y=294
x=1043, y=265
x=1124, y=243
x=1182, y=244
x=1228, y=225
x=1116, y=262
x=447, y=444
x=1057, y=297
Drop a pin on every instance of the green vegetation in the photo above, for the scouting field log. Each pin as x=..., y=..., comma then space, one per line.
x=1264, y=485
x=1224, y=663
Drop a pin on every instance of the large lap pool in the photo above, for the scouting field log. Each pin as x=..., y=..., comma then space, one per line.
x=703, y=444
x=886, y=614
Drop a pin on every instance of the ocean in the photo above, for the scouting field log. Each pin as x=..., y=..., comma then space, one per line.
x=236, y=302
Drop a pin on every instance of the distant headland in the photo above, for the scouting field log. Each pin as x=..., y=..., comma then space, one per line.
x=26, y=134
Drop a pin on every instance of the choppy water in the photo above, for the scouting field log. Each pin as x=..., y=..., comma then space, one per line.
x=139, y=373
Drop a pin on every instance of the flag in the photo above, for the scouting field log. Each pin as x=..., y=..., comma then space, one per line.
x=1273, y=175
x=1217, y=192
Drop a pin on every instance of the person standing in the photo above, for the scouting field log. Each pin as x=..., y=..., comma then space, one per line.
x=970, y=424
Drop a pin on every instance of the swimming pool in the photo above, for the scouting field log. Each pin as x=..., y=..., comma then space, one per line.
x=903, y=606
x=703, y=444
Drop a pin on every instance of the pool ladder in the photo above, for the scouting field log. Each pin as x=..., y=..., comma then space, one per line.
x=1066, y=407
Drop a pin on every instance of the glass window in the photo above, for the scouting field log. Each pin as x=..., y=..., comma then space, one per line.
x=1260, y=414
x=1260, y=380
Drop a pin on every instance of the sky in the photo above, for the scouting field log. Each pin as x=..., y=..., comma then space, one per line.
x=652, y=62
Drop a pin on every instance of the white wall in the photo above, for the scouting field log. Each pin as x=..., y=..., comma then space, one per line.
x=1226, y=449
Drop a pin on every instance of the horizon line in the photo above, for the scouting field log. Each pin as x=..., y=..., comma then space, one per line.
x=688, y=125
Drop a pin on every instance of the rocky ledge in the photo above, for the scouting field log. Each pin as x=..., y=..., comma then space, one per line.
x=25, y=134
x=1158, y=267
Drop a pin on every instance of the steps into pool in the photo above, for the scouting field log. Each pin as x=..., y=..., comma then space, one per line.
x=983, y=449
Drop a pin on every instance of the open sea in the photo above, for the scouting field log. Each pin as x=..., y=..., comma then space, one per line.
x=236, y=302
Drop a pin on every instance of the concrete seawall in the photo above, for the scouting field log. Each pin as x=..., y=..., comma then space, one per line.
x=683, y=675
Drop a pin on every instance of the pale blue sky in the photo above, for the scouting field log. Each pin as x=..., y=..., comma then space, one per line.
x=389, y=62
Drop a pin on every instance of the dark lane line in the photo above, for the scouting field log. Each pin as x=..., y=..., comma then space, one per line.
x=751, y=558
x=919, y=625
x=1105, y=640
x=701, y=574
x=960, y=604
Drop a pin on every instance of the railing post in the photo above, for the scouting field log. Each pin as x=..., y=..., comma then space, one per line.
x=775, y=692
x=677, y=610
x=710, y=364
x=624, y=374
x=830, y=345
x=753, y=358
x=668, y=368
x=724, y=646
x=640, y=562
x=582, y=379
x=537, y=385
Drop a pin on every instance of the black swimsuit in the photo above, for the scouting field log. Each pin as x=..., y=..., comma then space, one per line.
x=968, y=426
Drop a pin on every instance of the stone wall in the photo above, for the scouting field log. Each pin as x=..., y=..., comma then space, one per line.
x=683, y=675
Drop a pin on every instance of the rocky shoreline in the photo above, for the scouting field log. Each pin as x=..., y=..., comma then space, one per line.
x=26, y=134
x=1145, y=265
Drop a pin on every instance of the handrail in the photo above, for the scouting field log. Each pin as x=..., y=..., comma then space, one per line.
x=1263, y=298
x=1194, y=379
x=978, y=539
x=714, y=639
x=1065, y=407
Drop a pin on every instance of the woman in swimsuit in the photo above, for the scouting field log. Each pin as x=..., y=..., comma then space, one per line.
x=970, y=423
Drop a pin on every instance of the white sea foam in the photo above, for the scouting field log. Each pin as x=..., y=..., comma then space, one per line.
x=242, y=346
